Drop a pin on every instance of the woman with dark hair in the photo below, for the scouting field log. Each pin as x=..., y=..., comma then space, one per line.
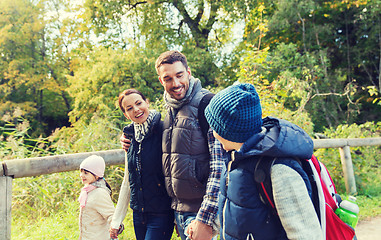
x=143, y=184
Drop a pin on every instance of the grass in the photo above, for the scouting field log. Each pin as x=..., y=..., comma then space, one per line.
x=63, y=224
x=369, y=206
x=46, y=207
x=60, y=225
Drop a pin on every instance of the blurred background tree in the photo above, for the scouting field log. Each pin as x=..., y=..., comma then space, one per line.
x=63, y=61
x=63, y=64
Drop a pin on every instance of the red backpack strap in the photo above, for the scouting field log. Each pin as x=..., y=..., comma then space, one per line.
x=325, y=181
x=334, y=227
x=262, y=179
x=316, y=163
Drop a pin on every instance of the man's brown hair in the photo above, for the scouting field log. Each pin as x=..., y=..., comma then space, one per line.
x=170, y=57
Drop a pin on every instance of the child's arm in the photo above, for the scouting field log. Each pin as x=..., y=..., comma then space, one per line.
x=294, y=206
x=123, y=200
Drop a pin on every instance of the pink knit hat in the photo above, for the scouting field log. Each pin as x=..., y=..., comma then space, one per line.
x=94, y=164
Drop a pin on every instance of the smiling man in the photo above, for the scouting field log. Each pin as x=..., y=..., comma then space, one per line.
x=192, y=162
x=175, y=79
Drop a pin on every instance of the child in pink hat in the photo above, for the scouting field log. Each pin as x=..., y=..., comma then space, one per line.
x=96, y=206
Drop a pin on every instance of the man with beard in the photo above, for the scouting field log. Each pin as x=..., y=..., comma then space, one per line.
x=192, y=163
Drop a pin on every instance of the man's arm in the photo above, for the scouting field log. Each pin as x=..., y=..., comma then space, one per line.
x=206, y=216
x=125, y=142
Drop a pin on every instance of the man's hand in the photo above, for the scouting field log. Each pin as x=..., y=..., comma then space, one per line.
x=199, y=231
x=125, y=142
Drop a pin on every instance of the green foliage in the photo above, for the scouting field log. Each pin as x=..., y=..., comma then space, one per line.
x=365, y=160
x=27, y=77
x=202, y=65
x=202, y=29
x=101, y=133
x=308, y=85
x=324, y=54
x=301, y=71
x=256, y=69
x=104, y=75
x=15, y=142
x=37, y=196
x=314, y=63
x=315, y=45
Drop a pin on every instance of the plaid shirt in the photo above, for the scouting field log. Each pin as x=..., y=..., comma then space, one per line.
x=208, y=211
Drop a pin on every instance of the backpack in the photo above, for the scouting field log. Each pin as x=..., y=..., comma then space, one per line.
x=204, y=125
x=323, y=195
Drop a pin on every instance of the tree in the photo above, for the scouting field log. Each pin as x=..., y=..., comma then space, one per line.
x=200, y=28
x=323, y=36
x=29, y=78
x=100, y=79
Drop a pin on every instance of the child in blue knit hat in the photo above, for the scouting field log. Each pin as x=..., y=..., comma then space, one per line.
x=235, y=115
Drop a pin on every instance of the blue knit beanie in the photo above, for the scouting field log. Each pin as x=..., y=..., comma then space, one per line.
x=235, y=113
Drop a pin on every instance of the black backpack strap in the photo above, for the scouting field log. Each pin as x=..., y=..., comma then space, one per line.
x=262, y=178
x=315, y=193
x=201, y=117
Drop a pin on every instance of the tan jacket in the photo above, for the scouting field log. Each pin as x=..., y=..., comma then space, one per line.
x=95, y=217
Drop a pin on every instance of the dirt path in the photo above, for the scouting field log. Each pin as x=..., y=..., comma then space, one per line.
x=369, y=229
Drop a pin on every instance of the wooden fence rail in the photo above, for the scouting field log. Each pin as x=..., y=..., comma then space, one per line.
x=28, y=167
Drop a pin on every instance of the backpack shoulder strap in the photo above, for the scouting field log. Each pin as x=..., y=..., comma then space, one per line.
x=201, y=117
x=262, y=178
x=312, y=172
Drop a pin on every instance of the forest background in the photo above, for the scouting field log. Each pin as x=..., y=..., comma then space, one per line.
x=63, y=63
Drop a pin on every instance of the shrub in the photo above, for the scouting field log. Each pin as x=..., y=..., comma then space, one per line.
x=366, y=160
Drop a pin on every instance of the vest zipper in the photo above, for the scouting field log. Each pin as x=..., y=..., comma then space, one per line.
x=226, y=199
x=139, y=172
x=228, y=169
x=223, y=219
x=169, y=149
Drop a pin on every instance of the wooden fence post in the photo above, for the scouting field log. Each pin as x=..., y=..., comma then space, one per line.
x=5, y=207
x=349, y=176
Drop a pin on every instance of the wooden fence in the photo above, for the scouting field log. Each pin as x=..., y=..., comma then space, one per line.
x=20, y=168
